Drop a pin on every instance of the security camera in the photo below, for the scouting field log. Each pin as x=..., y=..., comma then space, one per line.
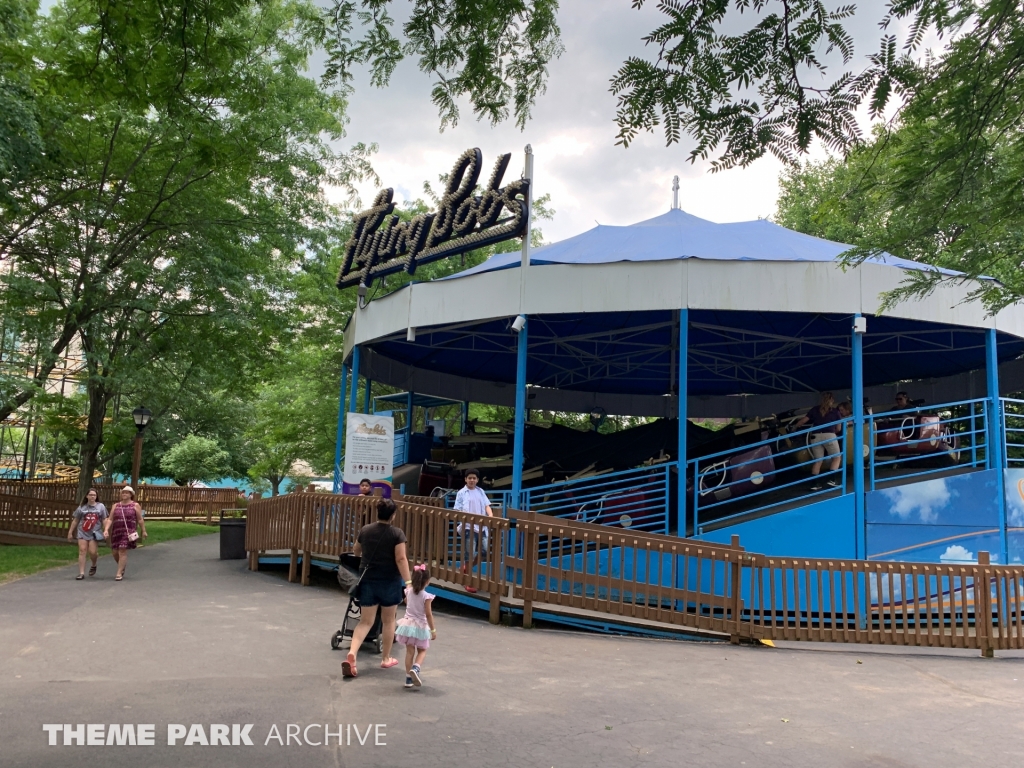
x=519, y=323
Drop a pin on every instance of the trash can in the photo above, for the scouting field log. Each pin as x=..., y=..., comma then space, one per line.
x=232, y=537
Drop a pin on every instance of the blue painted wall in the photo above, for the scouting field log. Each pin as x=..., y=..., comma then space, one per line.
x=824, y=529
x=944, y=520
x=1014, y=489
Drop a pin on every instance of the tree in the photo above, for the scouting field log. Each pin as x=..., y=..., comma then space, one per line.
x=494, y=53
x=766, y=89
x=21, y=140
x=195, y=459
x=280, y=420
x=191, y=155
x=909, y=193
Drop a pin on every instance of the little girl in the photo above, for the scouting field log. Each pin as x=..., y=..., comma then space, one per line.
x=415, y=630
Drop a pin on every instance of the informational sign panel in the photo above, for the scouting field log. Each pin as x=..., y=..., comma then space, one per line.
x=369, y=452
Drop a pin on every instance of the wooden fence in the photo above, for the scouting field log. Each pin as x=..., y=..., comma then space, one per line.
x=160, y=502
x=34, y=517
x=548, y=563
x=328, y=524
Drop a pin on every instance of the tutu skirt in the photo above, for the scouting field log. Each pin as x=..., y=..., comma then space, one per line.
x=412, y=632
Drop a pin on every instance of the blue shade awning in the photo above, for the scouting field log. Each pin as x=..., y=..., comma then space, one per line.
x=678, y=235
x=730, y=352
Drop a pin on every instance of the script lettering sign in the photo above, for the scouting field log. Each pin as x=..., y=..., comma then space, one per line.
x=383, y=244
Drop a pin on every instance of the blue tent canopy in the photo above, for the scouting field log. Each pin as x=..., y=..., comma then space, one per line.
x=678, y=235
x=626, y=348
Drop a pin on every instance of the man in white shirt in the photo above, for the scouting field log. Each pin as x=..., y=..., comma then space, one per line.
x=472, y=500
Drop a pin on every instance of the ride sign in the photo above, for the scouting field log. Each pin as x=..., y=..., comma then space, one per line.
x=369, y=452
x=382, y=244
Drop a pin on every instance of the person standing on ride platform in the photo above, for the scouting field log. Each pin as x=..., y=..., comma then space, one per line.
x=823, y=440
x=472, y=500
x=365, y=487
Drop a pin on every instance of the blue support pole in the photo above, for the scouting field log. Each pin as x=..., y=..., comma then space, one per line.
x=340, y=434
x=465, y=417
x=353, y=393
x=684, y=345
x=408, y=424
x=995, y=448
x=857, y=343
x=366, y=403
x=520, y=423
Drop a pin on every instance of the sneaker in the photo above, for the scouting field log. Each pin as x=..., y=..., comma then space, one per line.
x=832, y=483
x=817, y=487
x=408, y=682
x=415, y=678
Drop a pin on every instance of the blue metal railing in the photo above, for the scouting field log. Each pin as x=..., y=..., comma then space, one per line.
x=747, y=479
x=927, y=440
x=633, y=498
x=1013, y=432
x=776, y=472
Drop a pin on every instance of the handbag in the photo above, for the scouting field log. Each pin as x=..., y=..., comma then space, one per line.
x=132, y=535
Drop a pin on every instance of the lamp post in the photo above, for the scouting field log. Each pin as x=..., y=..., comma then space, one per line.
x=142, y=416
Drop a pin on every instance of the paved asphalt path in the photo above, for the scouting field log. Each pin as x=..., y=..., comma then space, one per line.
x=189, y=639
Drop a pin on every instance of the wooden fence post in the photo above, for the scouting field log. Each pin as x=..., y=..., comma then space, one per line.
x=495, y=607
x=529, y=568
x=736, y=583
x=293, y=565
x=982, y=607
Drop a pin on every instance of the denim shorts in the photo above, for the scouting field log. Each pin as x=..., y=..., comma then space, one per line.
x=383, y=593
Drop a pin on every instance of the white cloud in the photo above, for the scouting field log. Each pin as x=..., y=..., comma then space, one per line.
x=957, y=554
x=925, y=499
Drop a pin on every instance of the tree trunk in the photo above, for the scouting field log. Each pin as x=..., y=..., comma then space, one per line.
x=275, y=485
x=99, y=398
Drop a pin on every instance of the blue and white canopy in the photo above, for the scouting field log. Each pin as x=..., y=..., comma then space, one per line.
x=769, y=312
x=678, y=235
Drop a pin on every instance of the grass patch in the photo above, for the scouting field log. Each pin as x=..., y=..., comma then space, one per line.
x=18, y=560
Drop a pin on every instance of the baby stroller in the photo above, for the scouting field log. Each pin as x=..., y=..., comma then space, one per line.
x=352, y=616
x=354, y=612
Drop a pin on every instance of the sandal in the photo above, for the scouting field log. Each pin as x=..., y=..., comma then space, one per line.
x=388, y=663
x=348, y=666
x=119, y=577
x=79, y=577
x=92, y=571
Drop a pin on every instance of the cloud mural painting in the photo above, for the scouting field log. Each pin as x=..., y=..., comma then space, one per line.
x=921, y=500
x=955, y=553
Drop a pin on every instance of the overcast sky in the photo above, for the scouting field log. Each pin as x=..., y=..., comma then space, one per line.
x=572, y=133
